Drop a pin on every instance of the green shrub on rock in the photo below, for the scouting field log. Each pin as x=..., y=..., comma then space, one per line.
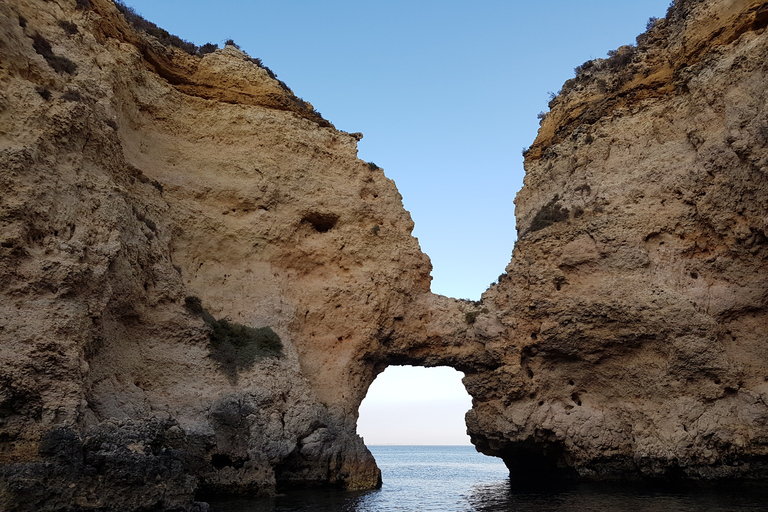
x=235, y=346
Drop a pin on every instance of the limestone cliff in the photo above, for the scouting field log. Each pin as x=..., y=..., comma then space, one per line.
x=199, y=279
x=636, y=300
x=148, y=194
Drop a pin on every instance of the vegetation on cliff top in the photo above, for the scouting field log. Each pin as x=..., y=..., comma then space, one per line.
x=141, y=24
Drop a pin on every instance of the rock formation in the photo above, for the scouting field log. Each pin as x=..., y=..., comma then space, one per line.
x=635, y=302
x=147, y=193
x=200, y=279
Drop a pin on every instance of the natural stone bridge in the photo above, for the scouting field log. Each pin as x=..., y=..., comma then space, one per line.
x=170, y=192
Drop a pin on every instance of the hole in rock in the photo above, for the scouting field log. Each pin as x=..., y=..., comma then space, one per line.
x=408, y=405
x=221, y=461
x=321, y=222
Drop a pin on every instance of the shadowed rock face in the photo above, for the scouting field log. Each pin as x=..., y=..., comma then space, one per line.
x=148, y=194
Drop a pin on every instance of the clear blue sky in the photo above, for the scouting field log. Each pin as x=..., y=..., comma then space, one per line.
x=446, y=93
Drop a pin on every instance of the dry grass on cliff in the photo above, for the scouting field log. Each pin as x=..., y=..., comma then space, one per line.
x=143, y=25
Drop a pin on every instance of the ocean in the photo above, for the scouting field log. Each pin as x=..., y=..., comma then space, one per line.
x=458, y=479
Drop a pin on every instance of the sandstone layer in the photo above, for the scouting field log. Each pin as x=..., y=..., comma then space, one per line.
x=199, y=279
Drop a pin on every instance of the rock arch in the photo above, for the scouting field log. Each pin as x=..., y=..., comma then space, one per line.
x=626, y=337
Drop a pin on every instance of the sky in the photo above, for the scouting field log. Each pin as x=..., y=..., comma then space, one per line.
x=446, y=93
x=412, y=405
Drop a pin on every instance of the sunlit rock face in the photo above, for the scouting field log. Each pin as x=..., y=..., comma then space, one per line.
x=200, y=280
x=148, y=194
x=635, y=302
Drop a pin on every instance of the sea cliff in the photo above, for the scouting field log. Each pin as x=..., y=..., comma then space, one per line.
x=199, y=279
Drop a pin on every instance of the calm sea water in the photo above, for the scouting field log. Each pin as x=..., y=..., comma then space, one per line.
x=458, y=479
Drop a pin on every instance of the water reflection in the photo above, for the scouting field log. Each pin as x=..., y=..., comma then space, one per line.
x=502, y=497
x=457, y=479
x=295, y=501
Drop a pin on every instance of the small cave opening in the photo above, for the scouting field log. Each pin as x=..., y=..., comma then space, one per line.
x=576, y=399
x=320, y=222
x=222, y=460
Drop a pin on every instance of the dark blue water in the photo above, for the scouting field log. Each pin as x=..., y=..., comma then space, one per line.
x=458, y=479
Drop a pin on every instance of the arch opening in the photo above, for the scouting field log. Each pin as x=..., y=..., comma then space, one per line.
x=413, y=405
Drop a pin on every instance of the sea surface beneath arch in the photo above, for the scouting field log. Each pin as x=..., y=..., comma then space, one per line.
x=458, y=479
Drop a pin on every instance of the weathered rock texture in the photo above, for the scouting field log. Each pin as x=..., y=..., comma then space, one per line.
x=147, y=176
x=146, y=192
x=636, y=300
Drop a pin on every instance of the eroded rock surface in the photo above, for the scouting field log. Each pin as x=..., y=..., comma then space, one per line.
x=636, y=297
x=199, y=279
x=147, y=194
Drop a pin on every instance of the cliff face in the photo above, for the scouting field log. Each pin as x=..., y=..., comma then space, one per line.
x=147, y=194
x=636, y=296
x=200, y=280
